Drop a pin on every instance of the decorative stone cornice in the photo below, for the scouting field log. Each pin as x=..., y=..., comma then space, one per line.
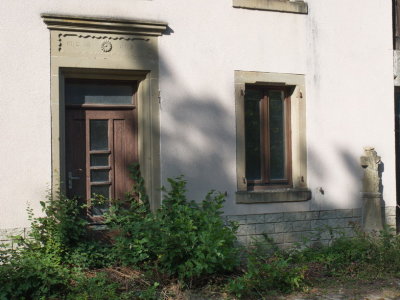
x=103, y=25
x=289, y=6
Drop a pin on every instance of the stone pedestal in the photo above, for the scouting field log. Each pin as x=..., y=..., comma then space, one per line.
x=371, y=193
x=371, y=212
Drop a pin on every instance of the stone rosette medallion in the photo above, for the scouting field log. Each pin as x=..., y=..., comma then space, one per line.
x=106, y=46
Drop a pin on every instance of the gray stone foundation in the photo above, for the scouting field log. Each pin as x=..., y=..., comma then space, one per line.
x=289, y=229
x=8, y=236
x=286, y=229
x=389, y=216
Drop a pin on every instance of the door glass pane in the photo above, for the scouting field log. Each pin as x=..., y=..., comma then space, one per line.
x=99, y=175
x=100, y=199
x=277, y=135
x=101, y=190
x=92, y=91
x=252, y=134
x=98, y=134
x=99, y=160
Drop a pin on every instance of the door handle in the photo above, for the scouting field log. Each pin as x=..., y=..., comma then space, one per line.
x=70, y=178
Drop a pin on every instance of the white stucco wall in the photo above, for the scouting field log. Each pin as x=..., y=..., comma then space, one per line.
x=350, y=97
x=342, y=46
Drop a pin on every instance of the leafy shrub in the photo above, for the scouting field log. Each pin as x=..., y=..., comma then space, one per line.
x=362, y=255
x=32, y=275
x=340, y=258
x=37, y=268
x=62, y=224
x=94, y=286
x=267, y=272
x=53, y=255
x=63, y=231
x=183, y=238
x=271, y=269
x=91, y=254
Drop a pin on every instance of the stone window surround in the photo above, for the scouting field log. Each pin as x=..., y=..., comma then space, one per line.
x=88, y=64
x=289, y=6
x=298, y=191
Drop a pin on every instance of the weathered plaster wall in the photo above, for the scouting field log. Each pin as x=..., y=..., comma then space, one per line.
x=343, y=47
x=347, y=60
x=350, y=93
x=25, y=111
x=197, y=90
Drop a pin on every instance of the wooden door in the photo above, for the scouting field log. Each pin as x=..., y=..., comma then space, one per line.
x=101, y=144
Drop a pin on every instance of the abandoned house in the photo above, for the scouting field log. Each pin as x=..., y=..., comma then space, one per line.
x=289, y=107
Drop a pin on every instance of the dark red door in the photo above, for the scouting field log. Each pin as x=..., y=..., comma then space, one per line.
x=100, y=146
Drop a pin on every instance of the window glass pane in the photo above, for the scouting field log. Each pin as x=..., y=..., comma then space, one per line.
x=277, y=135
x=252, y=134
x=100, y=198
x=99, y=160
x=397, y=106
x=98, y=134
x=98, y=92
x=99, y=175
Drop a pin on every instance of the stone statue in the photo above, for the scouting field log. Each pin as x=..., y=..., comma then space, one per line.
x=371, y=193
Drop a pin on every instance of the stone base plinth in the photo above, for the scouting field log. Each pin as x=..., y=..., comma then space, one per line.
x=371, y=212
x=288, y=229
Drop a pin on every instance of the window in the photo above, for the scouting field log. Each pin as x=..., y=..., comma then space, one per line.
x=92, y=92
x=396, y=24
x=271, y=157
x=267, y=136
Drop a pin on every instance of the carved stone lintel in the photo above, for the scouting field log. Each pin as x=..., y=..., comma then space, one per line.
x=371, y=191
x=106, y=45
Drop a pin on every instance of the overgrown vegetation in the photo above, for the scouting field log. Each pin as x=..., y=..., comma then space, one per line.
x=365, y=255
x=183, y=239
x=268, y=270
x=185, y=244
x=271, y=270
x=181, y=242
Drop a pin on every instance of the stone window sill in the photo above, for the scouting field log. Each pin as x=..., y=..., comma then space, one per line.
x=273, y=196
x=295, y=6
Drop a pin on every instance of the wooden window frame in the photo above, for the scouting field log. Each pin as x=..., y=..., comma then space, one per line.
x=396, y=24
x=297, y=189
x=266, y=182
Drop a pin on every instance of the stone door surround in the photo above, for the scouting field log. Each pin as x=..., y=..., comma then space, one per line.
x=107, y=48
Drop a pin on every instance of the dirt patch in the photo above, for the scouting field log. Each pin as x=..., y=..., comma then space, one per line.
x=326, y=289
x=349, y=289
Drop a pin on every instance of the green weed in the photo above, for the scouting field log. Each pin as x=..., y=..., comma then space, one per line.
x=182, y=238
